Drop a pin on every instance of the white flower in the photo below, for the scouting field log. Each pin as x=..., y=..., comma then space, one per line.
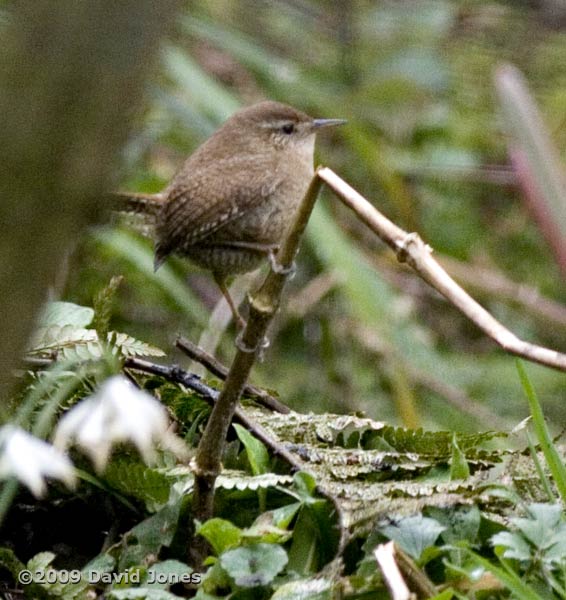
x=117, y=412
x=30, y=460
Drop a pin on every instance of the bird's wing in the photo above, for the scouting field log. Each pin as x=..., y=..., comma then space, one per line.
x=198, y=206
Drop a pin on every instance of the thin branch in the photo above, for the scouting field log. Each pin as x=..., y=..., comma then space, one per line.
x=215, y=367
x=177, y=375
x=412, y=250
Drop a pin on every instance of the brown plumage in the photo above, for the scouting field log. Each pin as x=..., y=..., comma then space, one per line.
x=233, y=199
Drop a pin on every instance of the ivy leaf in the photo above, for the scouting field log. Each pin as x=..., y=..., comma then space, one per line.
x=255, y=565
x=414, y=534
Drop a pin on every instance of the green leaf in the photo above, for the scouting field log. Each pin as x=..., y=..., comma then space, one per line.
x=283, y=516
x=514, y=544
x=130, y=248
x=461, y=523
x=305, y=485
x=103, y=563
x=66, y=313
x=414, y=534
x=137, y=480
x=543, y=525
x=221, y=534
x=313, y=589
x=255, y=565
x=304, y=554
x=256, y=451
x=459, y=468
x=508, y=578
x=129, y=346
x=103, y=304
x=41, y=561
x=553, y=459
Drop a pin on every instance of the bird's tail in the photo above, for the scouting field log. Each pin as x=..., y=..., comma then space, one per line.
x=131, y=202
x=138, y=211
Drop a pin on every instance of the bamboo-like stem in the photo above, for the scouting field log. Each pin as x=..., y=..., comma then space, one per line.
x=411, y=249
x=263, y=306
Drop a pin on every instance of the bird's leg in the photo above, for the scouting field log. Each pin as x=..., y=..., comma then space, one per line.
x=270, y=250
x=238, y=319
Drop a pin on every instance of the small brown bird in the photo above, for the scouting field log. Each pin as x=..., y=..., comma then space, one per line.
x=230, y=204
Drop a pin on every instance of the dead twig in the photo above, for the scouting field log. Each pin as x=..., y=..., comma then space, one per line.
x=411, y=249
x=210, y=395
x=215, y=367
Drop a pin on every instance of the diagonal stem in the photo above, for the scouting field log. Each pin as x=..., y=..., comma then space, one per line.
x=263, y=306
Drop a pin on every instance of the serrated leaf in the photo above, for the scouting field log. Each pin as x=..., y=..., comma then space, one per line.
x=56, y=337
x=102, y=305
x=135, y=479
x=130, y=346
x=541, y=528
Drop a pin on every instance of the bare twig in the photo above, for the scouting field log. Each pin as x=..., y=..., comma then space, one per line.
x=175, y=374
x=215, y=367
x=385, y=557
x=416, y=577
x=412, y=250
x=193, y=382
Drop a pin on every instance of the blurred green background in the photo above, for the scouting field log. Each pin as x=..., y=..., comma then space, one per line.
x=425, y=143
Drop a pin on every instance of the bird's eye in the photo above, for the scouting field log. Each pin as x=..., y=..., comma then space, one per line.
x=288, y=128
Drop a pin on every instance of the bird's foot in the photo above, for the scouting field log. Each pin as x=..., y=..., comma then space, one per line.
x=280, y=269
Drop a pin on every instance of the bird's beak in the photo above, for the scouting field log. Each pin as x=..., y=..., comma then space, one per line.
x=318, y=123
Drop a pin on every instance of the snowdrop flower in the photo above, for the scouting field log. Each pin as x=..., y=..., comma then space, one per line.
x=30, y=460
x=117, y=412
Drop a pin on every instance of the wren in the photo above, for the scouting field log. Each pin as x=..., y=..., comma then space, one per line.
x=232, y=201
